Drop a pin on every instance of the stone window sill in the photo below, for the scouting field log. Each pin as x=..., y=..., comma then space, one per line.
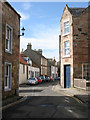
x=65, y=34
x=66, y=56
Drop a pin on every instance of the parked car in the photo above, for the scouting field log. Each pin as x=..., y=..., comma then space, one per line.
x=39, y=79
x=57, y=78
x=42, y=78
x=47, y=78
x=32, y=81
x=50, y=78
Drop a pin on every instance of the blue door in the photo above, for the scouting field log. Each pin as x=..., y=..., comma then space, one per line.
x=67, y=79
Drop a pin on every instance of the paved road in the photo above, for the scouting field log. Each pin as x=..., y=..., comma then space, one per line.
x=42, y=102
x=43, y=89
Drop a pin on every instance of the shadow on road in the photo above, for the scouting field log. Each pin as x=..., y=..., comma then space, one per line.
x=43, y=84
x=28, y=91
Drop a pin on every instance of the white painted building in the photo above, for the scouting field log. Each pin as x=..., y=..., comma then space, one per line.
x=27, y=70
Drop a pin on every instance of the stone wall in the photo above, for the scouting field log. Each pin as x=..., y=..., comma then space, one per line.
x=44, y=65
x=80, y=42
x=0, y=60
x=10, y=17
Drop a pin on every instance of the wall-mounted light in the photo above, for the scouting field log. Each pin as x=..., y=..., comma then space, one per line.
x=23, y=30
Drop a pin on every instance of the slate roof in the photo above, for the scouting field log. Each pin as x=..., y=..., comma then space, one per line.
x=76, y=11
x=39, y=54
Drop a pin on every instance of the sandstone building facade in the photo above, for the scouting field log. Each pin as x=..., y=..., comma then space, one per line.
x=74, y=45
x=10, y=50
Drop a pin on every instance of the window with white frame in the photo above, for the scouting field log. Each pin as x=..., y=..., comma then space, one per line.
x=8, y=40
x=66, y=48
x=23, y=69
x=7, y=81
x=66, y=27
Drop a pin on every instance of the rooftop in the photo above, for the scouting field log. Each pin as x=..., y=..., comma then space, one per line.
x=22, y=61
x=76, y=11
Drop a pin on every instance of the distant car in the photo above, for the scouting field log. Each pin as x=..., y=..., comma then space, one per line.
x=39, y=79
x=50, y=78
x=42, y=78
x=57, y=78
x=47, y=78
x=32, y=81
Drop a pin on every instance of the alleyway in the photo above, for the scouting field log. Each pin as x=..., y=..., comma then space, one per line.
x=43, y=102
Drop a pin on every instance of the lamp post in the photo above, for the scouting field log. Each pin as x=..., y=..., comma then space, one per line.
x=23, y=30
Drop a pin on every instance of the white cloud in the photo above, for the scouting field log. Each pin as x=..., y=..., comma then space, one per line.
x=45, y=39
x=26, y=6
x=24, y=16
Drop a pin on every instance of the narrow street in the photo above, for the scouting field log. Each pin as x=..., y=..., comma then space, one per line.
x=42, y=102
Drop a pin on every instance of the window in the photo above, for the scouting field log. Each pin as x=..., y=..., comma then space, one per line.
x=67, y=49
x=86, y=71
x=23, y=69
x=66, y=27
x=7, y=81
x=8, y=40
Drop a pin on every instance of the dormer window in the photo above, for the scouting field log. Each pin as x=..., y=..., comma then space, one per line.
x=66, y=27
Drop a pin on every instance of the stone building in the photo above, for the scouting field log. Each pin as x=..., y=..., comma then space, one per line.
x=37, y=58
x=27, y=69
x=9, y=50
x=52, y=68
x=74, y=44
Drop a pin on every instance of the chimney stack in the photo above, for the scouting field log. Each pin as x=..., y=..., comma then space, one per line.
x=29, y=46
x=40, y=51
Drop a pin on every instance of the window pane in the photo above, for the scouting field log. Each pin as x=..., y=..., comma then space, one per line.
x=67, y=49
x=8, y=38
x=7, y=44
x=8, y=33
x=66, y=44
x=66, y=27
x=9, y=81
x=7, y=70
x=6, y=79
x=7, y=76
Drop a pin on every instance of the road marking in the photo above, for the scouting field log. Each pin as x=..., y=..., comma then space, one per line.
x=67, y=101
x=79, y=101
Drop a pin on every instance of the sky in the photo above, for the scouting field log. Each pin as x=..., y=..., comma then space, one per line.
x=42, y=24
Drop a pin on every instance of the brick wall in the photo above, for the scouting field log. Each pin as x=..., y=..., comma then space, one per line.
x=10, y=17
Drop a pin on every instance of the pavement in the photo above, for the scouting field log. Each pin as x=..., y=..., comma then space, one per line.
x=81, y=95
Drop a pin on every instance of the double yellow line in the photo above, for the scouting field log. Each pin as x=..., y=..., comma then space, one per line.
x=79, y=101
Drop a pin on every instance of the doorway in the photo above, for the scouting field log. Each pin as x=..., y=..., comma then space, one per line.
x=67, y=76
